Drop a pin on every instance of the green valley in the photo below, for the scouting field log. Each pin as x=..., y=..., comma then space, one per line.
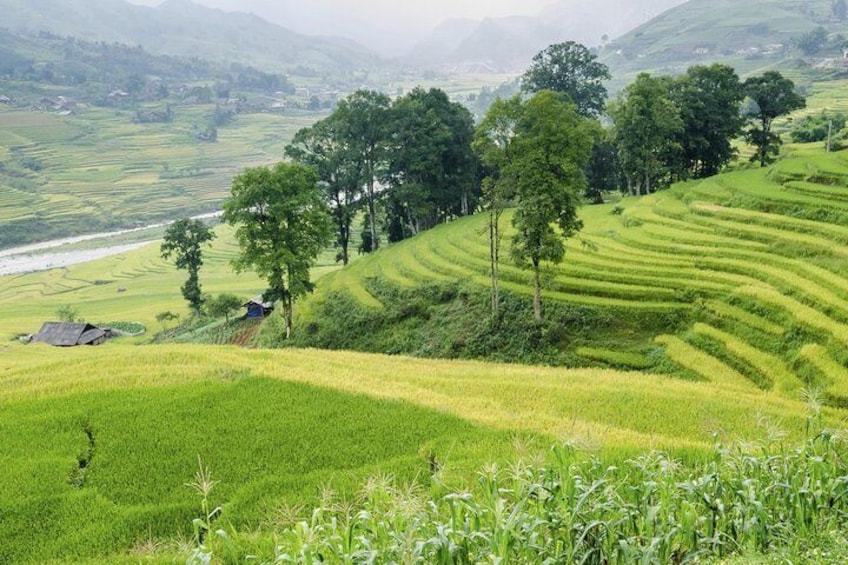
x=571, y=330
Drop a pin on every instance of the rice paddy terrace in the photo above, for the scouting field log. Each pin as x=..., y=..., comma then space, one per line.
x=96, y=170
x=754, y=262
x=98, y=444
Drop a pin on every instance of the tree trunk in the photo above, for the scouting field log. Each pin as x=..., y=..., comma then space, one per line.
x=345, y=244
x=494, y=255
x=537, y=294
x=287, y=311
x=372, y=216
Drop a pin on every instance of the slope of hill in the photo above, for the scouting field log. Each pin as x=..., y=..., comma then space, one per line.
x=739, y=278
x=181, y=27
x=97, y=453
x=751, y=36
x=509, y=43
x=102, y=169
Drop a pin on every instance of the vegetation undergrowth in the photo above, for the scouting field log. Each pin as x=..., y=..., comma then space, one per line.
x=762, y=500
x=452, y=320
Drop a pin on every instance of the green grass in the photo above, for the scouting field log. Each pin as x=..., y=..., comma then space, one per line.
x=314, y=419
x=263, y=458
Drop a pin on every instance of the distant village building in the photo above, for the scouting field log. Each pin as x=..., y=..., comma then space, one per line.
x=65, y=334
x=5, y=100
x=58, y=104
x=258, y=308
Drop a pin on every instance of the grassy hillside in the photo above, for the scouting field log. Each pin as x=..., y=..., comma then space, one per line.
x=751, y=36
x=97, y=452
x=738, y=279
x=96, y=170
x=746, y=269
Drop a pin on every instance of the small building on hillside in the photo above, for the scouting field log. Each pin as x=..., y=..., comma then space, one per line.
x=258, y=308
x=65, y=334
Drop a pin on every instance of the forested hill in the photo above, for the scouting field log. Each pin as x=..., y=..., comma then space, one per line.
x=32, y=62
x=181, y=27
x=799, y=37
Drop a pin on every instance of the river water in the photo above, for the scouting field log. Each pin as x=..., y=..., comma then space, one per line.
x=45, y=255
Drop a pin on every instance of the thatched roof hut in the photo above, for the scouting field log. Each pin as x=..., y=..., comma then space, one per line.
x=65, y=334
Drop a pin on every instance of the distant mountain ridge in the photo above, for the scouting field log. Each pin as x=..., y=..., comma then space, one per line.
x=752, y=36
x=184, y=28
x=508, y=44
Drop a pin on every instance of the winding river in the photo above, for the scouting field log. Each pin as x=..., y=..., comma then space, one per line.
x=46, y=255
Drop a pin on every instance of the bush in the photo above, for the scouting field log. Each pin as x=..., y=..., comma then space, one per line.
x=815, y=128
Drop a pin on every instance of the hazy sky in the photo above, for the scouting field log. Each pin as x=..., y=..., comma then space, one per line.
x=375, y=22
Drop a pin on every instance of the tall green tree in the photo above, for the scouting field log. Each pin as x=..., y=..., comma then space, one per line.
x=549, y=152
x=772, y=96
x=282, y=224
x=361, y=127
x=570, y=68
x=647, y=127
x=493, y=140
x=709, y=99
x=432, y=169
x=184, y=240
x=340, y=170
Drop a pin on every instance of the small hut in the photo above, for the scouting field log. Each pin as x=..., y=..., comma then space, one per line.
x=258, y=308
x=65, y=334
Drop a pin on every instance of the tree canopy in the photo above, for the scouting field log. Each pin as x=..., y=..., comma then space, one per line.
x=570, y=68
x=431, y=167
x=539, y=149
x=184, y=240
x=360, y=121
x=340, y=171
x=772, y=96
x=647, y=126
x=282, y=224
x=709, y=99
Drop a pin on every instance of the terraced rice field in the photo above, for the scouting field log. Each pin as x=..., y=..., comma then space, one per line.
x=756, y=260
x=97, y=170
x=97, y=453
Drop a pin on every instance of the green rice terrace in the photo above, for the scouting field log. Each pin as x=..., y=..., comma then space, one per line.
x=739, y=279
x=692, y=319
x=96, y=170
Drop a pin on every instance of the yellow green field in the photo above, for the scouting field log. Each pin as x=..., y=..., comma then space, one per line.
x=727, y=297
x=96, y=170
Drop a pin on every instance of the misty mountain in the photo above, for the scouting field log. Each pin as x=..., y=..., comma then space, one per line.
x=508, y=44
x=184, y=28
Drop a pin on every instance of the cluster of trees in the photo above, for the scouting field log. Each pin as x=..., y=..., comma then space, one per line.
x=823, y=127
x=407, y=163
x=668, y=129
x=414, y=162
x=52, y=59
